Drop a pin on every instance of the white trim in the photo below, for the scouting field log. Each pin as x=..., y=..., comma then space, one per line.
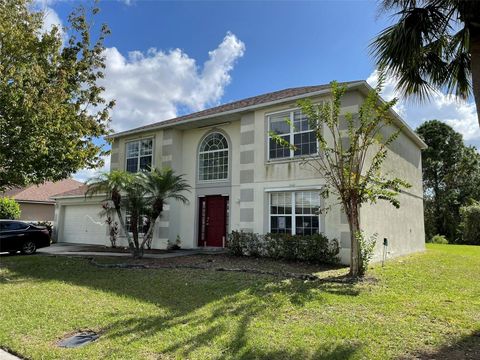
x=227, y=150
x=78, y=196
x=290, y=134
x=293, y=215
x=139, y=140
x=40, y=202
x=296, y=188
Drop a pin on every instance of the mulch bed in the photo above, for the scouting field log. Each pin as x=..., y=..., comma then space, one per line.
x=225, y=262
x=122, y=250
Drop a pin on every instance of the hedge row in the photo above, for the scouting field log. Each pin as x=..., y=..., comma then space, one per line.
x=315, y=248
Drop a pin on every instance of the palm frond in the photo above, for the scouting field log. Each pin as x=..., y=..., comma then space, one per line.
x=420, y=51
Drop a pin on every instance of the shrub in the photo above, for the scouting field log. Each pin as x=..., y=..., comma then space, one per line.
x=315, y=248
x=367, y=248
x=235, y=243
x=439, y=239
x=9, y=209
x=470, y=223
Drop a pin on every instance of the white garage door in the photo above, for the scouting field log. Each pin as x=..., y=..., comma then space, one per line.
x=82, y=224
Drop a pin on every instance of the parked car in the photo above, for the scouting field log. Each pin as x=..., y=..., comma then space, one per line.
x=20, y=236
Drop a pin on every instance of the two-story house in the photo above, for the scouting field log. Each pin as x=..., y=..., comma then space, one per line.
x=242, y=179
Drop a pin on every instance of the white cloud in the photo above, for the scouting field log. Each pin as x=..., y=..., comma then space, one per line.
x=85, y=174
x=50, y=18
x=150, y=87
x=459, y=114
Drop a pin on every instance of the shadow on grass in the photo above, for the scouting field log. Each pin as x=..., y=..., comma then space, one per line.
x=234, y=300
x=466, y=348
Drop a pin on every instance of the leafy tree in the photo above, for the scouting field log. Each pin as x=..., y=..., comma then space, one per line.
x=51, y=108
x=351, y=161
x=160, y=186
x=434, y=44
x=9, y=208
x=470, y=224
x=451, y=176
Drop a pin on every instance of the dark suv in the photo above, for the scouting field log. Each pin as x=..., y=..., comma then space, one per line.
x=21, y=236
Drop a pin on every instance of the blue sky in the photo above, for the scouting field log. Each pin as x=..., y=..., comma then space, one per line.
x=168, y=58
x=287, y=43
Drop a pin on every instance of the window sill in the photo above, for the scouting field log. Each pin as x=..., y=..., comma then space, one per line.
x=289, y=160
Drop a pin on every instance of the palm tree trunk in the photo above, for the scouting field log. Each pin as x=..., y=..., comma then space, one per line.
x=121, y=220
x=149, y=233
x=475, y=66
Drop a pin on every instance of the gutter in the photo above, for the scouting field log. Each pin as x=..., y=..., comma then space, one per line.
x=45, y=202
x=77, y=196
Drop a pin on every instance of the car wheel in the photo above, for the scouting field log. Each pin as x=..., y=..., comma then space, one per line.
x=29, y=247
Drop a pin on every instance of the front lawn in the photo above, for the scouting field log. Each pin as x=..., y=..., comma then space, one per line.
x=414, y=307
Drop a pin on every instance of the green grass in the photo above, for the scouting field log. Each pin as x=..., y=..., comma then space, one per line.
x=419, y=303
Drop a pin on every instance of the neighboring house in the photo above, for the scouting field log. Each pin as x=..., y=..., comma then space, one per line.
x=243, y=180
x=35, y=201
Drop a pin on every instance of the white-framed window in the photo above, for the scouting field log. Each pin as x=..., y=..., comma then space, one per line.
x=213, y=158
x=294, y=127
x=295, y=212
x=139, y=155
x=143, y=223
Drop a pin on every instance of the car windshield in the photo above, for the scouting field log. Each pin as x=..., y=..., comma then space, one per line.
x=13, y=225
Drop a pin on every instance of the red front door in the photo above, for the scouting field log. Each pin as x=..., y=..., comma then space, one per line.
x=213, y=221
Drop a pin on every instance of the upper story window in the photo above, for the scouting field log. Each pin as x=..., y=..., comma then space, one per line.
x=139, y=155
x=295, y=128
x=213, y=158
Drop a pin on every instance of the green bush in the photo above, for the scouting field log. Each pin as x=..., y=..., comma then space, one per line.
x=315, y=248
x=235, y=243
x=470, y=223
x=9, y=209
x=367, y=249
x=439, y=239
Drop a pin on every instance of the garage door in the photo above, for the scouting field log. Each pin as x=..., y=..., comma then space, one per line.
x=82, y=224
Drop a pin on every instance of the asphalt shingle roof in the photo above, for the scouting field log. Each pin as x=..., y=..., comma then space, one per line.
x=80, y=191
x=42, y=192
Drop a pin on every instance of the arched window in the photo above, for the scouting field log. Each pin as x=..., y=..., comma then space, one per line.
x=213, y=158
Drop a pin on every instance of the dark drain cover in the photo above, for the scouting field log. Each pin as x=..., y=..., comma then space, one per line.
x=79, y=339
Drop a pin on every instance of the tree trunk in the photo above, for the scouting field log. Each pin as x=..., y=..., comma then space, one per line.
x=355, y=257
x=137, y=250
x=475, y=66
x=149, y=233
x=158, y=212
x=121, y=220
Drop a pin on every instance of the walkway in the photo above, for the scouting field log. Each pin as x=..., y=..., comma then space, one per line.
x=7, y=356
x=78, y=250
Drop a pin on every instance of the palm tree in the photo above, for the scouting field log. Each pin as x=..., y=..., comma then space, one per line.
x=434, y=44
x=160, y=186
x=112, y=185
x=135, y=204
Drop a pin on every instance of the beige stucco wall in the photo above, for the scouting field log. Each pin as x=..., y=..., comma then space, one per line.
x=37, y=212
x=252, y=177
x=403, y=227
